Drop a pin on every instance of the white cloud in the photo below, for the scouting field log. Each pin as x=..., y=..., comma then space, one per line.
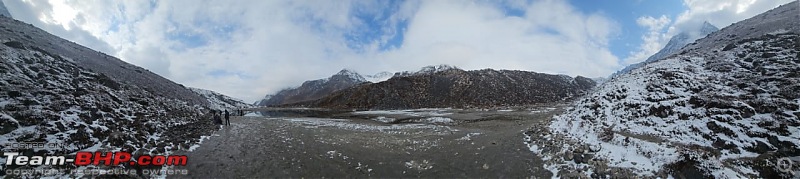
x=249, y=48
x=653, y=40
x=652, y=23
x=720, y=13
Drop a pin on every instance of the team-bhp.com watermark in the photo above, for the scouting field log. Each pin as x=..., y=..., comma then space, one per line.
x=94, y=172
x=89, y=159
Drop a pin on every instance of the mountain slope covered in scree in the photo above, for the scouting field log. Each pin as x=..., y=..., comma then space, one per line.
x=96, y=61
x=725, y=106
x=53, y=97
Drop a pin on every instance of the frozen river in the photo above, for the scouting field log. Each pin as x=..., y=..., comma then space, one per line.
x=408, y=143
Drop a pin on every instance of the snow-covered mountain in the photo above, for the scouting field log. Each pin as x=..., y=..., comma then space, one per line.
x=426, y=70
x=726, y=106
x=4, y=10
x=219, y=101
x=674, y=45
x=56, y=91
x=378, y=77
x=448, y=86
x=314, y=89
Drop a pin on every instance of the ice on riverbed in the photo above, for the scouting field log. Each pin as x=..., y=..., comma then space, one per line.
x=252, y=114
x=469, y=136
x=351, y=125
x=195, y=146
x=384, y=119
x=410, y=112
x=437, y=120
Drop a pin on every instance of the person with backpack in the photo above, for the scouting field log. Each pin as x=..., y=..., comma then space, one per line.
x=227, y=118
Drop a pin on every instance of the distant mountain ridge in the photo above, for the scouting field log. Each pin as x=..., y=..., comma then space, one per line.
x=426, y=70
x=314, y=89
x=448, y=86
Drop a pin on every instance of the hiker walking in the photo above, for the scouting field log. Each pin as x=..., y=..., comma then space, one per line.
x=227, y=118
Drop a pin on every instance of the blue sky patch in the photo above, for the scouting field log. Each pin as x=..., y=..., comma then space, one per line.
x=625, y=13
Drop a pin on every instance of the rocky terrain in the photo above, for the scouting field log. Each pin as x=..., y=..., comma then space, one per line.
x=443, y=86
x=725, y=106
x=315, y=89
x=55, y=91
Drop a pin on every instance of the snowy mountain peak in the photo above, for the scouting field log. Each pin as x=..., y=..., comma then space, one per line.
x=428, y=70
x=675, y=44
x=378, y=77
x=349, y=74
x=4, y=10
x=314, y=89
x=436, y=68
x=707, y=28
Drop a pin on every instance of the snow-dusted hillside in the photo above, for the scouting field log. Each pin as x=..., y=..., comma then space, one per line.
x=50, y=96
x=378, y=77
x=95, y=61
x=729, y=108
x=427, y=70
x=219, y=101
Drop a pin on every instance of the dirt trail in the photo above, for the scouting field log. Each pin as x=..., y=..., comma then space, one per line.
x=317, y=147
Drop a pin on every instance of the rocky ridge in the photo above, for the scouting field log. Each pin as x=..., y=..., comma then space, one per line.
x=314, y=89
x=446, y=86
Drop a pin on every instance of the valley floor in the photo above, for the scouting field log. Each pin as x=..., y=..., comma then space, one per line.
x=479, y=144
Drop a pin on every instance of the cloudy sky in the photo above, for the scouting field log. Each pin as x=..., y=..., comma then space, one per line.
x=249, y=48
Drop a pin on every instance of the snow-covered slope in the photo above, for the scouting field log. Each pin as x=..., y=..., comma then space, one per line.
x=4, y=10
x=427, y=70
x=681, y=40
x=54, y=97
x=219, y=101
x=378, y=77
x=96, y=61
x=725, y=107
